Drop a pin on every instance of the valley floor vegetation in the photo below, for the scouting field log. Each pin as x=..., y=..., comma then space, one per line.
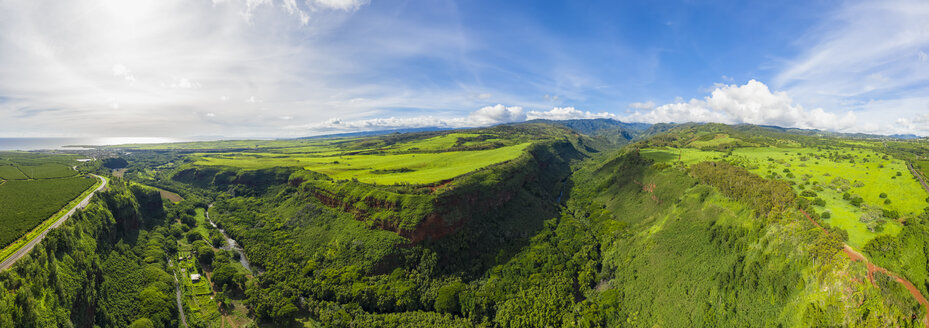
x=587, y=223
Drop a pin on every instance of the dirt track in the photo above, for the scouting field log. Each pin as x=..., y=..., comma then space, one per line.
x=858, y=257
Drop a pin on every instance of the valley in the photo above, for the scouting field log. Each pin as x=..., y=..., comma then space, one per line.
x=521, y=225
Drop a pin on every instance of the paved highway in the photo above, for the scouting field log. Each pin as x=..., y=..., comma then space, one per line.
x=6, y=264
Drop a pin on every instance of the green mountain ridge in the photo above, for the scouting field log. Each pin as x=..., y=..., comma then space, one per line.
x=594, y=223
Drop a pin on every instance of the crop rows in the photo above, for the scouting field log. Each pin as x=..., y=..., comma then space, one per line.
x=24, y=204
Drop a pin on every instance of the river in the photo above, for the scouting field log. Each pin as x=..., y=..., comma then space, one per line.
x=232, y=245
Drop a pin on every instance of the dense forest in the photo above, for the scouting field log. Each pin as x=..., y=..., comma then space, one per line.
x=576, y=231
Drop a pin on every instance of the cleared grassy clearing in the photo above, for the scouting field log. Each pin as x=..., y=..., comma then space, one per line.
x=716, y=140
x=866, y=174
x=435, y=143
x=418, y=168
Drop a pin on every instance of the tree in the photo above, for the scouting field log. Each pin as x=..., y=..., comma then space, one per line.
x=142, y=323
x=192, y=236
x=224, y=275
x=447, y=299
x=205, y=255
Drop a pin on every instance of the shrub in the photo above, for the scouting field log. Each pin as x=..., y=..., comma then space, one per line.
x=883, y=195
x=856, y=201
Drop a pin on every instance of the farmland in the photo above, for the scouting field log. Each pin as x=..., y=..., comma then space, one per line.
x=416, y=168
x=423, y=158
x=26, y=203
x=888, y=193
x=33, y=188
x=20, y=166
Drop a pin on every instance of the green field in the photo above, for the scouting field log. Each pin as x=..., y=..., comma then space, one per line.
x=711, y=140
x=389, y=168
x=21, y=165
x=47, y=171
x=10, y=172
x=923, y=167
x=862, y=172
x=26, y=203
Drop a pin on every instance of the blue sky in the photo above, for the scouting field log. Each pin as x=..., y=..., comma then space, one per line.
x=265, y=68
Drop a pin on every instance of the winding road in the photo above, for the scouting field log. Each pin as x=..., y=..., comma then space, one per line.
x=918, y=176
x=858, y=257
x=6, y=264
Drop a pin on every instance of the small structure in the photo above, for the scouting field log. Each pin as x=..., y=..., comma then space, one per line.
x=195, y=277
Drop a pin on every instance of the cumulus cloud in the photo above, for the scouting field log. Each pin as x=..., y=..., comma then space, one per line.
x=485, y=116
x=373, y=124
x=642, y=105
x=566, y=113
x=918, y=125
x=347, y=5
x=751, y=103
x=497, y=114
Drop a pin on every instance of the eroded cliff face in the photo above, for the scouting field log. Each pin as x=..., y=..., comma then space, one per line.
x=461, y=200
x=450, y=213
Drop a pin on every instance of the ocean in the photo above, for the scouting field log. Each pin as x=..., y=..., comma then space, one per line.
x=60, y=143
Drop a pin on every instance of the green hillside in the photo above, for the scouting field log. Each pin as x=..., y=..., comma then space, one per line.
x=523, y=225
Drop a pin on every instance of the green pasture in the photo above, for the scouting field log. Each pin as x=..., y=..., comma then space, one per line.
x=867, y=173
x=417, y=168
x=716, y=140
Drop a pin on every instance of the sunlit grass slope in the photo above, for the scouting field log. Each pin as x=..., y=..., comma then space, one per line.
x=829, y=174
x=416, y=168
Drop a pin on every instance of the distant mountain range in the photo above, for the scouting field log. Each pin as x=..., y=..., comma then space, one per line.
x=619, y=132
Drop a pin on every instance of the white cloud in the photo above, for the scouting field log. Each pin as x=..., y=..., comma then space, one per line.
x=184, y=83
x=336, y=124
x=120, y=70
x=566, y=113
x=484, y=96
x=485, y=116
x=642, y=105
x=862, y=39
x=130, y=66
x=497, y=114
x=918, y=124
x=751, y=103
x=347, y=5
